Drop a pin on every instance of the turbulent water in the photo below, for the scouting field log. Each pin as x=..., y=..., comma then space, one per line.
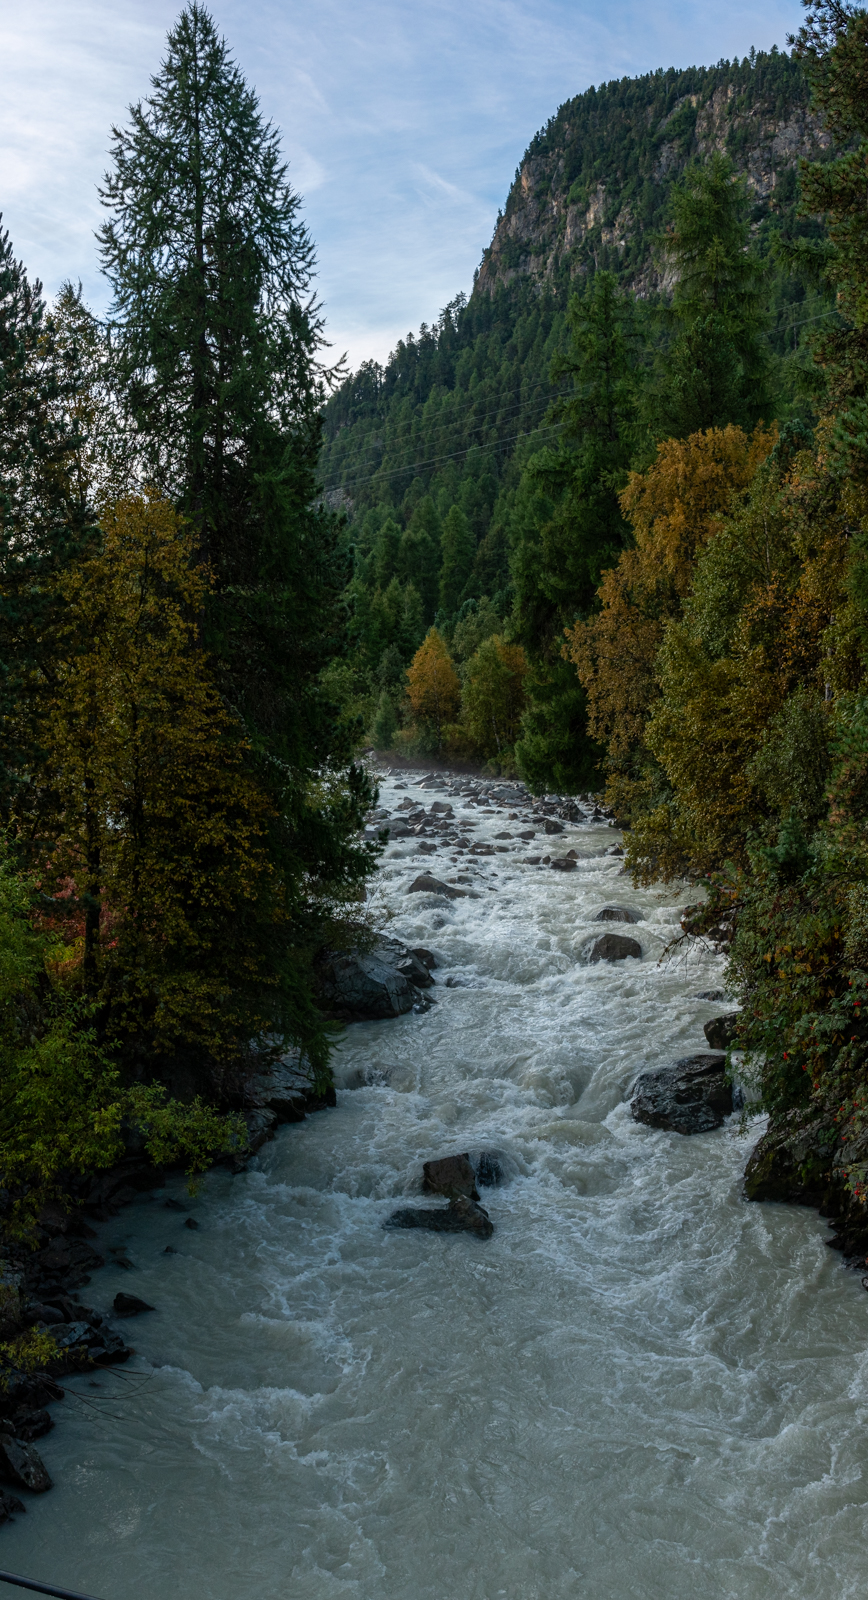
x=641, y=1386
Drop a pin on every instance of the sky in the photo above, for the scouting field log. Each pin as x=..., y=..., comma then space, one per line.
x=403, y=122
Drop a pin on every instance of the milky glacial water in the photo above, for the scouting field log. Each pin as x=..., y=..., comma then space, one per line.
x=641, y=1386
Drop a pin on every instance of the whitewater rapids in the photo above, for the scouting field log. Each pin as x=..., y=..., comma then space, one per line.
x=641, y=1386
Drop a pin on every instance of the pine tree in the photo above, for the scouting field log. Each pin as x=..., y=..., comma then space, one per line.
x=717, y=369
x=219, y=350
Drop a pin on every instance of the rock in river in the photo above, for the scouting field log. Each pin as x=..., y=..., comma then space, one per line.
x=617, y=914
x=367, y=984
x=426, y=883
x=692, y=1095
x=615, y=947
x=720, y=1031
x=452, y=1176
x=460, y=1216
x=22, y=1465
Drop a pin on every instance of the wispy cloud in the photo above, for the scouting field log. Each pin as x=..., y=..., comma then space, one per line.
x=403, y=124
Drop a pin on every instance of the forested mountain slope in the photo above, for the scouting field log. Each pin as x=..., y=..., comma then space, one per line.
x=447, y=426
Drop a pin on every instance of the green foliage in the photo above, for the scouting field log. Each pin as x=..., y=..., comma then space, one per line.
x=716, y=371
x=63, y=1105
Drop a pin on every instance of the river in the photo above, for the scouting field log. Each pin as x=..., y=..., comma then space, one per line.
x=641, y=1386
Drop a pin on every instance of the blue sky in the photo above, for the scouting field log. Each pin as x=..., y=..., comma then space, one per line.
x=403, y=121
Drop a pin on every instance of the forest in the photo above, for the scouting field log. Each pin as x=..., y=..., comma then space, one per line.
x=599, y=538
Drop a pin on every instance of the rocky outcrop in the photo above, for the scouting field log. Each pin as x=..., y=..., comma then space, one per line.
x=570, y=209
x=692, y=1095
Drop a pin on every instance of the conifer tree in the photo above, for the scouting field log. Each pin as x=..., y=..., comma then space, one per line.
x=219, y=353
x=716, y=371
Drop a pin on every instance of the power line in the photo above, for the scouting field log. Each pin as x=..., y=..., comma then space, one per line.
x=416, y=466
x=455, y=421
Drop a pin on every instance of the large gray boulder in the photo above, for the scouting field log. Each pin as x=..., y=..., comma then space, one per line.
x=368, y=984
x=692, y=1095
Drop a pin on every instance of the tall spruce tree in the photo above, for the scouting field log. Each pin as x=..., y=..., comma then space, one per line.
x=573, y=529
x=219, y=352
x=716, y=371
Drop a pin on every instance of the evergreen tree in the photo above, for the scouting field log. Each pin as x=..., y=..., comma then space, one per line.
x=219, y=346
x=717, y=370
x=575, y=528
x=458, y=550
x=45, y=519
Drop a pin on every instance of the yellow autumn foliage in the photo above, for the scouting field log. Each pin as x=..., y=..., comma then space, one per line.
x=156, y=826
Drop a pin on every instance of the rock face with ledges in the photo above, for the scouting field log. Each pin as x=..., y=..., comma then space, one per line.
x=692, y=1095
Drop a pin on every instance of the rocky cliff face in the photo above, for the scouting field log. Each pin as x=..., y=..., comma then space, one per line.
x=594, y=185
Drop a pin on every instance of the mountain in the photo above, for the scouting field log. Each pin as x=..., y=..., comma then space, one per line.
x=593, y=187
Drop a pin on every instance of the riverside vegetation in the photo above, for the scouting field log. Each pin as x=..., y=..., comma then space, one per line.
x=607, y=517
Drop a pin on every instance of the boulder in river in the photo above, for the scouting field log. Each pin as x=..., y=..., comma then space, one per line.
x=692, y=1095
x=367, y=984
x=22, y=1465
x=460, y=1216
x=451, y=1175
x=550, y=826
x=563, y=864
x=427, y=884
x=129, y=1305
x=615, y=947
x=720, y=1031
x=617, y=914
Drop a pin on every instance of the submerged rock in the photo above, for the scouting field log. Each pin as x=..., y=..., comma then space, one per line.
x=490, y=1167
x=9, y=1505
x=617, y=914
x=615, y=947
x=129, y=1305
x=563, y=864
x=692, y=1095
x=460, y=1216
x=452, y=1176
